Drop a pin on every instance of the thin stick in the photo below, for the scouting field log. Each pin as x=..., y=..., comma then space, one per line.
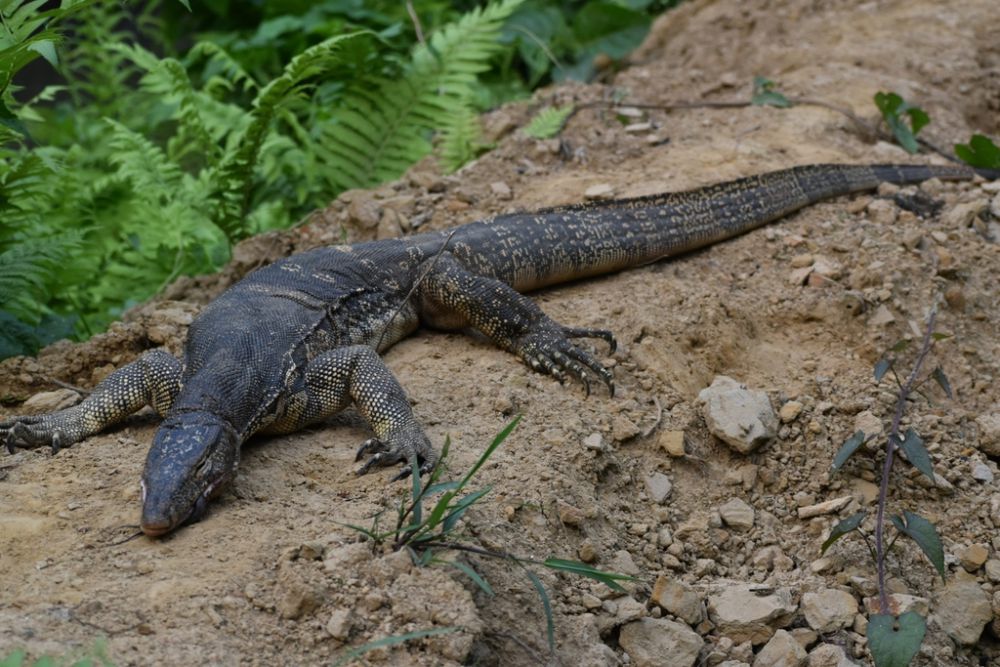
x=890, y=448
x=416, y=23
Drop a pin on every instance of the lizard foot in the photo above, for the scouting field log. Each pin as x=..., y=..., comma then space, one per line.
x=400, y=446
x=33, y=431
x=548, y=350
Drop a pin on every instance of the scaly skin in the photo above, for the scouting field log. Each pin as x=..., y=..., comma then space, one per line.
x=298, y=341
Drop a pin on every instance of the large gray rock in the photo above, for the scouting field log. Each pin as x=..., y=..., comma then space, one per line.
x=740, y=417
x=962, y=611
x=737, y=514
x=657, y=642
x=678, y=598
x=783, y=650
x=829, y=609
x=749, y=612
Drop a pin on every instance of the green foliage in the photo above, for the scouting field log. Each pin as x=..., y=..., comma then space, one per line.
x=893, y=641
x=923, y=532
x=893, y=108
x=847, y=449
x=394, y=640
x=95, y=656
x=844, y=527
x=913, y=446
x=548, y=122
x=764, y=94
x=979, y=152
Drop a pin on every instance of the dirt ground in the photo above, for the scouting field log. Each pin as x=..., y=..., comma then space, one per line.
x=271, y=575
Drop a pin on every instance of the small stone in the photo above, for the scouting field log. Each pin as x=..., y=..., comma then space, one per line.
x=570, y=515
x=587, y=552
x=882, y=211
x=781, y=651
x=364, y=211
x=637, y=128
x=594, y=441
x=501, y=190
x=881, y=317
x=973, y=557
x=623, y=428
x=982, y=472
x=599, y=191
x=790, y=411
x=297, y=602
x=672, y=443
x=962, y=611
x=992, y=568
x=737, y=514
x=961, y=216
x=649, y=640
x=750, y=612
x=995, y=207
x=829, y=609
x=801, y=261
x=827, y=507
x=590, y=601
x=827, y=267
x=339, y=625
x=773, y=558
x=677, y=598
x=868, y=423
x=740, y=417
x=659, y=487
x=50, y=401
x=629, y=610
x=829, y=655
x=887, y=189
x=311, y=550
x=989, y=433
x=623, y=562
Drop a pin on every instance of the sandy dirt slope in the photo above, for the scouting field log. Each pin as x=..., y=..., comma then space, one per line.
x=272, y=577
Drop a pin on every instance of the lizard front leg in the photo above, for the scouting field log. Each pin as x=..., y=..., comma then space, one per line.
x=451, y=296
x=152, y=379
x=356, y=374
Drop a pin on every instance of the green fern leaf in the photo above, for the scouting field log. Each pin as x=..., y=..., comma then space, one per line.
x=384, y=126
x=548, y=122
x=461, y=139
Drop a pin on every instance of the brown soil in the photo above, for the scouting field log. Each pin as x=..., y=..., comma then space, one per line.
x=244, y=586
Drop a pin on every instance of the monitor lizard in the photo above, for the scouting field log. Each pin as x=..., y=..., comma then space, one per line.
x=297, y=341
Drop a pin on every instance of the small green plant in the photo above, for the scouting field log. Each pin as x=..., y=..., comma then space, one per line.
x=894, y=640
x=894, y=108
x=979, y=152
x=549, y=122
x=764, y=94
x=425, y=528
x=95, y=656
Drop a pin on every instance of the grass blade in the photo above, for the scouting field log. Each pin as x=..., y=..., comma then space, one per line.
x=470, y=573
x=609, y=579
x=550, y=624
x=393, y=640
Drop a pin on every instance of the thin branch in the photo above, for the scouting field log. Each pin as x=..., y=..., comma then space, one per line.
x=67, y=385
x=416, y=23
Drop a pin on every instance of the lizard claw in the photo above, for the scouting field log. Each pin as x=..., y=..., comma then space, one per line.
x=32, y=431
x=549, y=350
x=400, y=446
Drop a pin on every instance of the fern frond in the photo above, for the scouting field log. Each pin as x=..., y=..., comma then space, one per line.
x=143, y=162
x=548, y=122
x=461, y=139
x=384, y=126
x=223, y=73
x=235, y=174
x=26, y=268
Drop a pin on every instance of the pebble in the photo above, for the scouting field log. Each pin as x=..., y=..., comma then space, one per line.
x=623, y=428
x=899, y=603
x=802, y=261
x=677, y=598
x=992, y=568
x=982, y=472
x=594, y=441
x=973, y=557
x=829, y=655
x=50, y=401
x=740, y=417
x=587, y=552
x=297, y=602
x=747, y=612
x=995, y=207
x=881, y=317
x=882, y=212
x=827, y=507
x=790, y=411
x=501, y=189
x=737, y=514
x=648, y=640
x=868, y=423
x=772, y=558
x=659, y=487
x=637, y=128
x=962, y=611
x=829, y=609
x=599, y=191
x=961, y=216
x=989, y=433
x=569, y=514
x=782, y=650
x=339, y=625
x=672, y=443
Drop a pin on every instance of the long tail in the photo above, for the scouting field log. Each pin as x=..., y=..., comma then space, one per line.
x=534, y=249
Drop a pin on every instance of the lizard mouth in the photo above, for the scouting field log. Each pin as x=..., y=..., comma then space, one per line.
x=161, y=525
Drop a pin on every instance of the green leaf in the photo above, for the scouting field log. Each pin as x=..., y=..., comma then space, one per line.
x=895, y=641
x=548, y=122
x=14, y=659
x=979, y=152
x=394, y=640
x=461, y=507
x=915, y=451
x=846, y=526
x=881, y=368
x=901, y=345
x=497, y=441
x=847, y=449
x=940, y=336
x=765, y=95
x=470, y=573
x=609, y=579
x=893, y=107
x=550, y=624
x=923, y=532
x=46, y=48
x=942, y=380
x=604, y=28
x=186, y=3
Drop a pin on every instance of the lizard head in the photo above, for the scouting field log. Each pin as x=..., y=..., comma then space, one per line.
x=194, y=455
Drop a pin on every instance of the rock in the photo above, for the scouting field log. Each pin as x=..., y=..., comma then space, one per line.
x=312, y=550
x=599, y=191
x=346, y=558
x=629, y=610
x=50, y=401
x=827, y=507
x=623, y=428
x=623, y=562
x=829, y=655
x=868, y=423
x=363, y=211
x=973, y=557
x=501, y=190
x=677, y=598
x=881, y=317
x=650, y=641
x=781, y=651
x=298, y=601
x=569, y=514
x=829, y=609
x=961, y=215
x=659, y=487
x=636, y=128
x=339, y=625
x=741, y=418
x=899, y=603
x=989, y=433
x=587, y=552
x=750, y=612
x=982, y=472
x=737, y=514
x=992, y=569
x=882, y=211
x=790, y=411
x=594, y=441
x=772, y=557
x=390, y=225
x=672, y=443
x=995, y=207
x=962, y=611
